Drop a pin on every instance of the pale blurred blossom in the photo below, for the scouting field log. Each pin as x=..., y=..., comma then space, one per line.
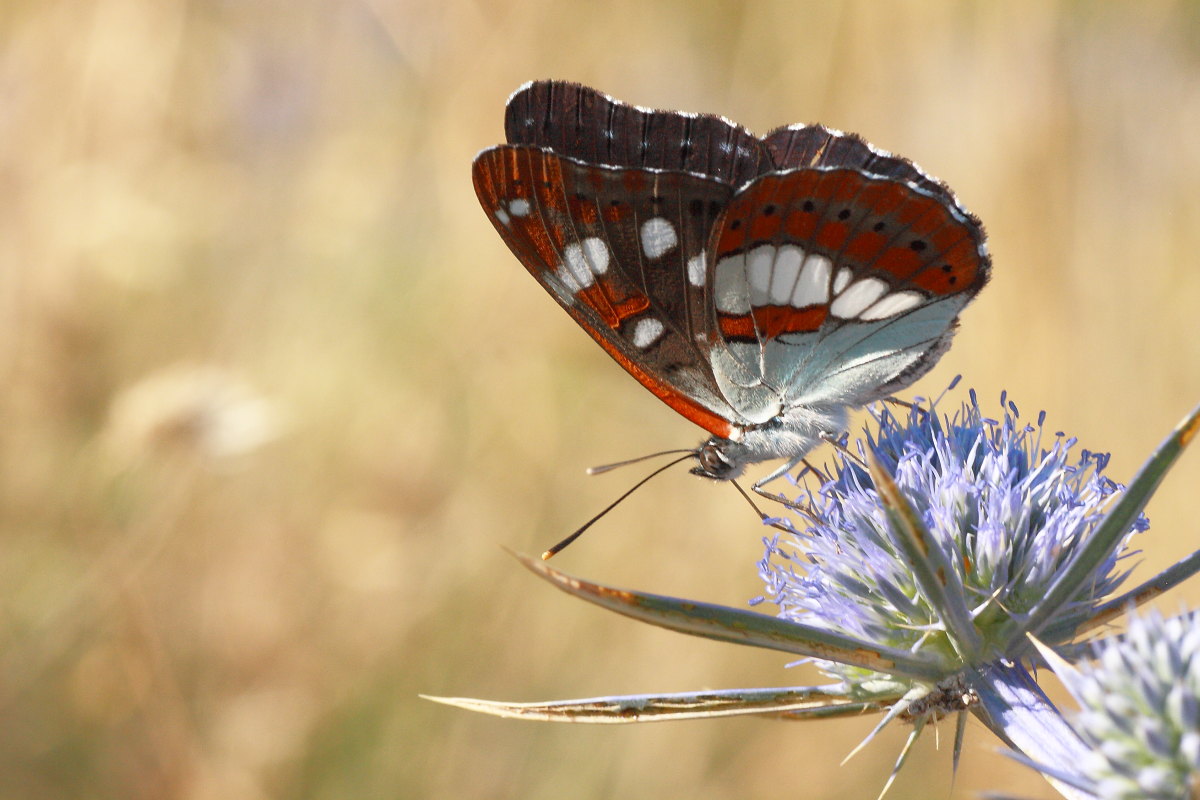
x=205, y=410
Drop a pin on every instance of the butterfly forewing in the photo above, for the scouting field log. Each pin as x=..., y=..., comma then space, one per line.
x=582, y=123
x=623, y=251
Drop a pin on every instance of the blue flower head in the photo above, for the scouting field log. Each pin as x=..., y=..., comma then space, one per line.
x=1140, y=711
x=1005, y=504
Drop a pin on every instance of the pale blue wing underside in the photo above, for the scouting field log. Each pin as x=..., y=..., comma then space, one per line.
x=849, y=364
x=842, y=363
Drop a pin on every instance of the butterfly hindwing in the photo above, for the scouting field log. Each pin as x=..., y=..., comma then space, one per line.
x=622, y=249
x=836, y=285
x=806, y=146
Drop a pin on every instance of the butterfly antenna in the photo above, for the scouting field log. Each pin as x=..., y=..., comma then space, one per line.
x=608, y=467
x=558, y=548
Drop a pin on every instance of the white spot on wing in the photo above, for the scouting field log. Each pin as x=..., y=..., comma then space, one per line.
x=582, y=262
x=759, y=262
x=787, y=268
x=569, y=284
x=519, y=207
x=730, y=294
x=596, y=253
x=858, y=297
x=658, y=237
x=646, y=332
x=566, y=284
x=813, y=286
x=576, y=268
x=697, y=269
x=892, y=304
x=843, y=277
x=502, y=215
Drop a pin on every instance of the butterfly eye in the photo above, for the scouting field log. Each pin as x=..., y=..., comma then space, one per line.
x=713, y=462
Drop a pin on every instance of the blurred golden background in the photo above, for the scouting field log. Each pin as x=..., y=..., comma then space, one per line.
x=276, y=394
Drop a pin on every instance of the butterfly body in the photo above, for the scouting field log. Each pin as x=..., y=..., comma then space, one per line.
x=762, y=288
x=789, y=435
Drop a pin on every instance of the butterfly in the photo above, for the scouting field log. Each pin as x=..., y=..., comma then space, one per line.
x=761, y=287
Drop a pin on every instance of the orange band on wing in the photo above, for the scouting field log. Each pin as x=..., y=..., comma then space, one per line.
x=711, y=421
x=770, y=321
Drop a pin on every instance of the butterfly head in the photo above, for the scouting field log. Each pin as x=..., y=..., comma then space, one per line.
x=720, y=459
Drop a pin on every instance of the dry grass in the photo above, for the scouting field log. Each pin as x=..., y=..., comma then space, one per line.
x=275, y=392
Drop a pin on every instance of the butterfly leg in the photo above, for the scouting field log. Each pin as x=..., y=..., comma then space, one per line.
x=758, y=485
x=799, y=508
x=786, y=528
x=896, y=401
x=821, y=476
x=840, y=445
x=778, y=473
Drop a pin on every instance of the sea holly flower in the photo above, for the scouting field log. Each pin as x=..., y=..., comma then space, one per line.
x=996, y=508
x=915, y=574
x=1139, y=717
